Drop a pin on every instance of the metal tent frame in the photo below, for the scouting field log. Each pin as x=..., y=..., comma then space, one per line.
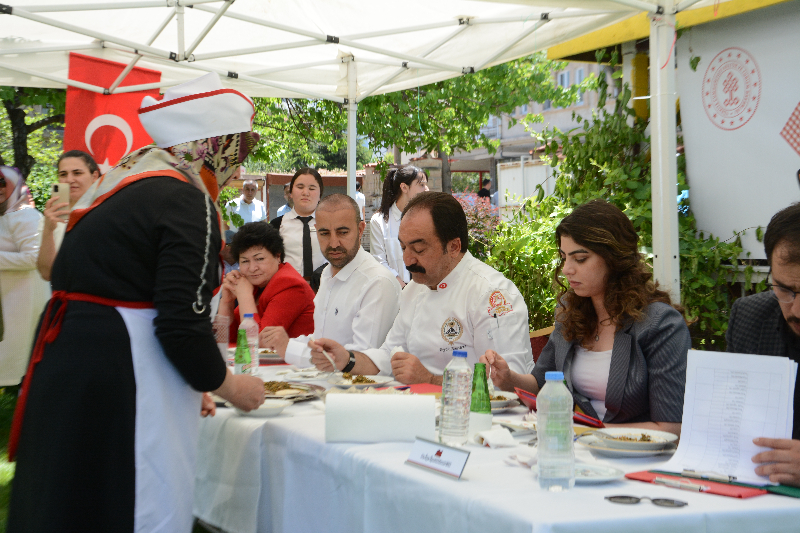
x=317, y=60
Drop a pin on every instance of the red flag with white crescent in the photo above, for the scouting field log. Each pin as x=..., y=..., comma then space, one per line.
x=105, y=126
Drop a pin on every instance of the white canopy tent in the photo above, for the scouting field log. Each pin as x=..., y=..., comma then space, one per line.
x=340, y=50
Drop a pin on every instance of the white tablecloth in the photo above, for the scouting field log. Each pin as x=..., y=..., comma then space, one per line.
x=279, y=475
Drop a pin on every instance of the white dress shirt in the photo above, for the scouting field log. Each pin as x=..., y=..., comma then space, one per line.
x=356, y=308
x=252, y=212
x=292, y=233
x=282, y=210
x=361, y=200
x=383, y=243
x=475, y=308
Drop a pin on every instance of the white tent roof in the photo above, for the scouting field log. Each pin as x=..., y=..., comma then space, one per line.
x=340, y=50
x=293, y=49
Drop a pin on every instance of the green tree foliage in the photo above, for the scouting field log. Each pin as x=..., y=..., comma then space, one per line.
x=447, y=114
x=43, y=148
x=608, y=157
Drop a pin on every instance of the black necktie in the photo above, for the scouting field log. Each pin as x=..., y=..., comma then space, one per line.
x=308, y=265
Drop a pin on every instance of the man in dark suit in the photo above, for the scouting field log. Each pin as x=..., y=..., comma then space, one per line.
x=768, y=323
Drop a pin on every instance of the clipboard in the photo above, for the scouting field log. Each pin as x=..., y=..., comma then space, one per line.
x=710, y=487
x=529, y=400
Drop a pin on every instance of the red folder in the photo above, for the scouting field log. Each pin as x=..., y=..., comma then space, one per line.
x=714, y=487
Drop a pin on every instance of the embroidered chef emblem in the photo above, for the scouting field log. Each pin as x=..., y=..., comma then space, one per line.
x=452, y=330
x=498, y=305
x=443, y=285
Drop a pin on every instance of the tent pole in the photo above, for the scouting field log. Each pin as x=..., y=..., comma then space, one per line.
x=352, y=127
x=666, y=260
x=136, y=58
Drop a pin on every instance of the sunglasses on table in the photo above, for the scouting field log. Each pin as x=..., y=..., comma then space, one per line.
x=661, y=502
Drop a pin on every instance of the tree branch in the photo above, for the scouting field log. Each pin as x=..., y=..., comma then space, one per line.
x=30, y=128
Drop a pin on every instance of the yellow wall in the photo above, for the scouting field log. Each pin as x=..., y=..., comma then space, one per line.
x=638, y=27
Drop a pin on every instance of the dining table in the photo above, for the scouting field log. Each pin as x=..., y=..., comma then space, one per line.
x=278, y=474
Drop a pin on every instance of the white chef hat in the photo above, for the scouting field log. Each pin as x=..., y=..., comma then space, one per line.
x=198, y=109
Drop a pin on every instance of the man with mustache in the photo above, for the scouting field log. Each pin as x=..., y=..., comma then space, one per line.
x=358, y=298
x=454, y=302
x=768, y=323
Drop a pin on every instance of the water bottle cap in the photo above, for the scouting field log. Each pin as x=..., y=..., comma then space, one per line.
x=248, y=315
x=554, y=375
x=459, y=353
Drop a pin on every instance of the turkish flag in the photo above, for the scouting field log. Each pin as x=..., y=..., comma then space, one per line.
x=105, y=126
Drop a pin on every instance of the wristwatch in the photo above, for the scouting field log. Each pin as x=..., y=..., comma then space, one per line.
x=350, y=364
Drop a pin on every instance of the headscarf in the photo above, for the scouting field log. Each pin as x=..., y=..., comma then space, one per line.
x=17, y=199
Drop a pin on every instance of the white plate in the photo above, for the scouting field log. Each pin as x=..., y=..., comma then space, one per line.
x=304, y=375
x=658, y=439
x=598, y=445
x=588, y=474
x=510, y=398
x=266, y=409
x=505, y=406
x=346, y=383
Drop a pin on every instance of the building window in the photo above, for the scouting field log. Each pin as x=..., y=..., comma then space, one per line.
x=525, y=109
x=563, y=79
x=578, y=80
x=546, y=105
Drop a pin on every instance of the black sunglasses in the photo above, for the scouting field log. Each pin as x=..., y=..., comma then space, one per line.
x=663, y=502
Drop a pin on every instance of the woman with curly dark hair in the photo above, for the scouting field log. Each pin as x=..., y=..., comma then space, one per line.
x=620, y=342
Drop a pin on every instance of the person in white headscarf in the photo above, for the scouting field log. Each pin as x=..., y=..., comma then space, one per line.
x=22, y=292
x=111, y=399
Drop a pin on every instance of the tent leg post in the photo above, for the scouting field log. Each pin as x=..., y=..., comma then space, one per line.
x=352, y=128
x=666, y=261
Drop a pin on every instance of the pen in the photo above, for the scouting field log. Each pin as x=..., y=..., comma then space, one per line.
x=710, y=476
x=680, y=484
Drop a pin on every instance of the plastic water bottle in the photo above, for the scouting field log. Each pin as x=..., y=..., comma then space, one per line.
x=456, y=396
x=250, y=327
x=554, y=430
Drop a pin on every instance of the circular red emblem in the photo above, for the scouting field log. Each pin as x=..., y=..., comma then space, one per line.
x=731, y=89
x=443, y=285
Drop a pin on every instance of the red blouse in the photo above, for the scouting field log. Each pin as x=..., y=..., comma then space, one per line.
x=287, y=300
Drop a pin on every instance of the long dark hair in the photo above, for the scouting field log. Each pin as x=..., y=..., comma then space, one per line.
x=605, y=230
x=391, y=185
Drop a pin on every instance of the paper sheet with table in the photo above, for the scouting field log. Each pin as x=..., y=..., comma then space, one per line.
x=730, y=400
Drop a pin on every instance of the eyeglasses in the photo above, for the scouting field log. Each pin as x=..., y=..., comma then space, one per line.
x=782, y=294
x=662, y=502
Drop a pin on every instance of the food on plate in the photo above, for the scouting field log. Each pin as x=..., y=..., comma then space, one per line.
x=632, y=438
x=359, y=379
x=272, y=387
x=498, y=398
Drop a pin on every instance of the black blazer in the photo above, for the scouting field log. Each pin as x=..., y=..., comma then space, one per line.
x=756, y=326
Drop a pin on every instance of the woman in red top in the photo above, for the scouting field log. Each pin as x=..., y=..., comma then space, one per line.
x=264, y=285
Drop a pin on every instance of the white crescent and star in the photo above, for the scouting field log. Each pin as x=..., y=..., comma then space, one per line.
x=115, y=122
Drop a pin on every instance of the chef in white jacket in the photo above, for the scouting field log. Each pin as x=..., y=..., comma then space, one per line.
x=454, y=302
x=358, y=299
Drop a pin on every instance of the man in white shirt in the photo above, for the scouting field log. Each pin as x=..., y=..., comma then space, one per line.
x=454, y=302
x=361, y=200
x=246, y=206
x=285, y=208
x=358, y=298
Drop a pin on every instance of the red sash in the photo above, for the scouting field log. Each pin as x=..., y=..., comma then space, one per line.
x=51, y=327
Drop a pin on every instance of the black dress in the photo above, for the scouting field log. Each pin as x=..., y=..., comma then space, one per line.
x=109, y=436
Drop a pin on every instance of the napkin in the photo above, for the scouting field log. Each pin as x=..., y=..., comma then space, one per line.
x=497, y=437
x=379, y=418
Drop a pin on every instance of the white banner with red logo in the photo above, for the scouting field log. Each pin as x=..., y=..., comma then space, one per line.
x=740, y=113
x=105, y=126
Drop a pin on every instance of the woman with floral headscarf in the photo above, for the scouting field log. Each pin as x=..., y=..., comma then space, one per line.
x=111, y=398
x=22, y=292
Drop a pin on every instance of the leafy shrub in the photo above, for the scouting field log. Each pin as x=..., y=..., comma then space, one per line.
x=482, y=219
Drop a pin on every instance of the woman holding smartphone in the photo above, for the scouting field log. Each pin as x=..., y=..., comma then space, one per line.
x=76, y=173
x=620, y=342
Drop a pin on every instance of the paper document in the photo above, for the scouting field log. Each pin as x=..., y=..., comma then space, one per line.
x=730, y=400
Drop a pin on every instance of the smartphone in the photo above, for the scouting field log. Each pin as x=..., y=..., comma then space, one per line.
x=60, y=191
